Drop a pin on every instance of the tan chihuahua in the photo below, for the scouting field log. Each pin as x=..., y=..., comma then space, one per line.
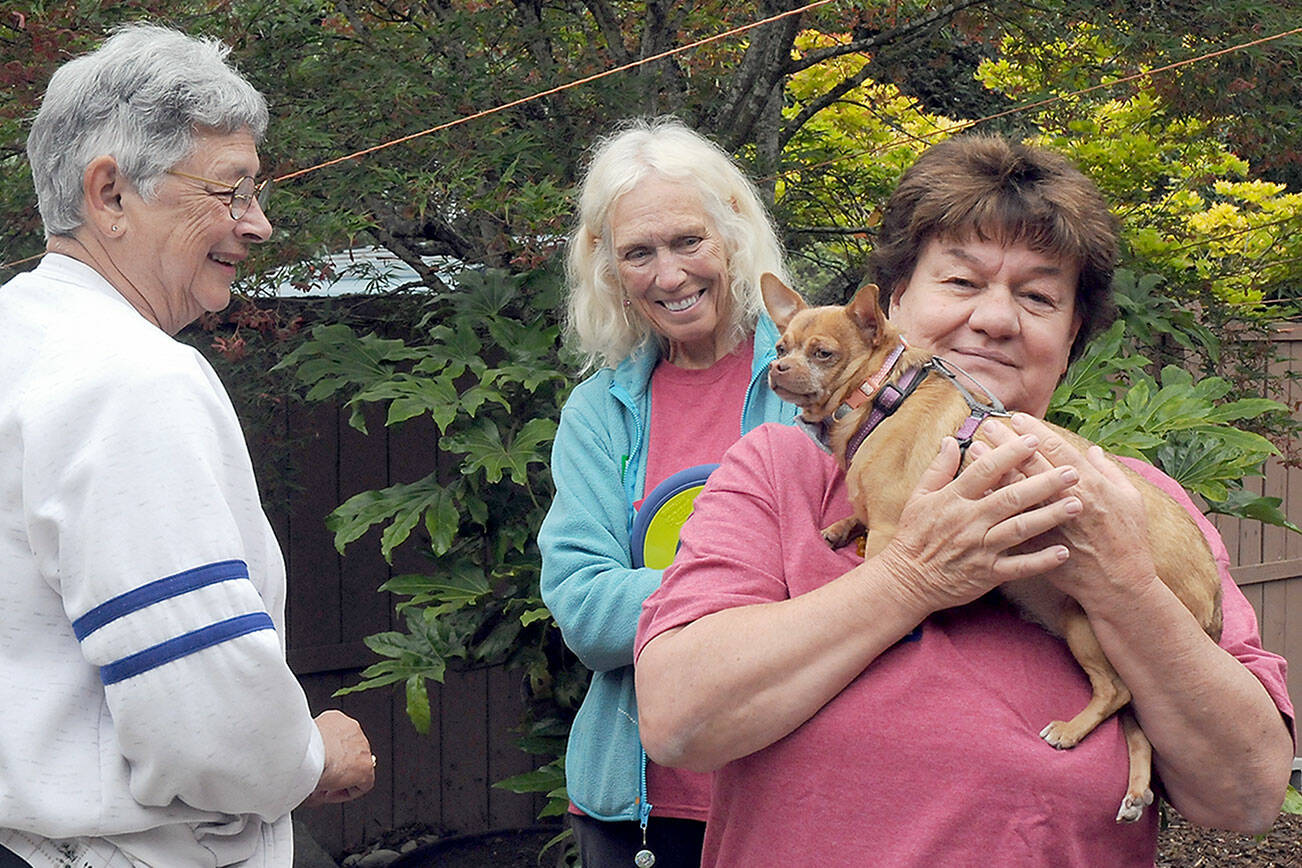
x=849, y=368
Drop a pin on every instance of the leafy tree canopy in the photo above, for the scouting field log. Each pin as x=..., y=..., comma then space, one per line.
x=827, y=106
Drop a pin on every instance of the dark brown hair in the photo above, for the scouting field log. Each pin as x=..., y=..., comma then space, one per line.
x=989, y=188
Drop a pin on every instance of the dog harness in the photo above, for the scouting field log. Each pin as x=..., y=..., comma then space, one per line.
x=977, y=411
x=887, y=399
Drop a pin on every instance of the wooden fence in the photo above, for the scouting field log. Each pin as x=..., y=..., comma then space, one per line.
x=443, y=779
x=1268, y=560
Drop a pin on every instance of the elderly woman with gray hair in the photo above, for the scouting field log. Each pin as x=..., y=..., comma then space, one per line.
x=663, y=269
x=147, y=715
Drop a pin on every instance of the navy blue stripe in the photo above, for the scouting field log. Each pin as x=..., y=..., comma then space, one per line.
x=182, y=646
x=157, y=591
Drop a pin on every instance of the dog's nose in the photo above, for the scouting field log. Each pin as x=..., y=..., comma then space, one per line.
x=778, y=365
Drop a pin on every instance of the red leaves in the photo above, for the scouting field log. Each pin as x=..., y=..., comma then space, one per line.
x=268, y=323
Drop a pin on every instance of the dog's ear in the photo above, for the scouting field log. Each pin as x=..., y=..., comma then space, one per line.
x=866, y=313
x=782, y=301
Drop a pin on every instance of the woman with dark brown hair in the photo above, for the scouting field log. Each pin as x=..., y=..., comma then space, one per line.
x=886, y=711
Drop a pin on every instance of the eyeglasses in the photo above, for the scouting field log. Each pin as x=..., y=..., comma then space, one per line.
x=241, y=194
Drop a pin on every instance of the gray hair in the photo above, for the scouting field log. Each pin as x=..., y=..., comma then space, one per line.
x=597, y=324
x=140, y=97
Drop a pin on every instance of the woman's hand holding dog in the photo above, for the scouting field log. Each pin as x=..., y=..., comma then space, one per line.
x=960, y=537
x=1220, y=746
x=1110, y=557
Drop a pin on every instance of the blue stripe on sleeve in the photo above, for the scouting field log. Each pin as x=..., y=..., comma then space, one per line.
x=157, y=591
x=182, y=646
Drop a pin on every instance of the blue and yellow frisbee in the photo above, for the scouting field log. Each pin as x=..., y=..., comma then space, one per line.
x=661, y=517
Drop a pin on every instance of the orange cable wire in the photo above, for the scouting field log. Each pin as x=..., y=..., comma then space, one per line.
x=554, y=90
x=682, y=48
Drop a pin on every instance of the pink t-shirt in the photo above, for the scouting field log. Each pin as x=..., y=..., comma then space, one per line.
x=931, y=755
x=695, y=417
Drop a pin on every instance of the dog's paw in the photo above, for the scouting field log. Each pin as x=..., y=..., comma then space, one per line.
x=1132, y=806
x=839, y=534
x=1059, y=734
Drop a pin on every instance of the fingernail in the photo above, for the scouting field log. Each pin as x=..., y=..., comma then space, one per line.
x=1062, y=553
x=1073, y=506
x=1031, y=440
x=1069, y=475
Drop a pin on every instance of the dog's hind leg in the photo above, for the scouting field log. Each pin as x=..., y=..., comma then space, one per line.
x=1139, y=792
x=1109, y=691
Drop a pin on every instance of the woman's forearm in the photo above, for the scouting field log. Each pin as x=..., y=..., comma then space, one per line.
x=1221, y=747
x=736, y=681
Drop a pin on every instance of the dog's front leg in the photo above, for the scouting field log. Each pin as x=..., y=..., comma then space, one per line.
x=838, y=534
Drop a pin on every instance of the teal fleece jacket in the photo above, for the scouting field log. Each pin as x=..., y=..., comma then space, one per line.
x=588, y=583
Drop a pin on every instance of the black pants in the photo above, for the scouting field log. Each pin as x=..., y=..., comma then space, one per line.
x=9, y=860
x=676, y=843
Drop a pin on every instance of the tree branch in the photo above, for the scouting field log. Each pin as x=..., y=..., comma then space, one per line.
x=815, y=106
x=658, y=37
x=763, y=68
x=609, y=26
x=813, y=58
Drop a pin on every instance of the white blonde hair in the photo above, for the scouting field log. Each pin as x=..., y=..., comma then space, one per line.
x=598, y=326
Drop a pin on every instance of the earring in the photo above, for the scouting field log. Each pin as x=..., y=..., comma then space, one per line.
x=627, y=303
x=115, y=228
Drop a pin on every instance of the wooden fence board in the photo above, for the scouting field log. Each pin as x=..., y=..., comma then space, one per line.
x=506, y=706
x=314, y=590
x=1293, y=397
x=418, y=767
x=325, y=822
x=418, y=789
x=464, y=733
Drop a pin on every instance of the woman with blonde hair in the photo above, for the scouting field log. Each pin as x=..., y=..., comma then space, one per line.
x=664, y=302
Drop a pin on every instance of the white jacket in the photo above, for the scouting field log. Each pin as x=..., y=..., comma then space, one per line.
x=144, y=694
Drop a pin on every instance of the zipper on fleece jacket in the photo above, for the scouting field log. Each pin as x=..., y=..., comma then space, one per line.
x=756, y=374
x=620, y=394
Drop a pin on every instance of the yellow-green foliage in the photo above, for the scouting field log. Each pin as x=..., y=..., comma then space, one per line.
x=1187, y=208
x=853, y=151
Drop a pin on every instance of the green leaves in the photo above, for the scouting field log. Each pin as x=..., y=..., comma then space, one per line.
x=485, y=452
x=1292, y=801
x=547, y=779
x=412, y=658
x=543, y=738
x=1181, y=425
x=481, y=362
x=335, y=358
x=402, y=506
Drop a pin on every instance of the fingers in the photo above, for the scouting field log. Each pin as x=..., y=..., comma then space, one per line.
x=993, y=467
x=1102, y=477
x=959, y=539
x=943, y=467
x=996, y=433
x=1030, y=512
x=1054, y=447
x=349, y=769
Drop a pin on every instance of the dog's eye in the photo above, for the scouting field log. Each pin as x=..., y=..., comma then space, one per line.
x=822, y=354
x=781, y=350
